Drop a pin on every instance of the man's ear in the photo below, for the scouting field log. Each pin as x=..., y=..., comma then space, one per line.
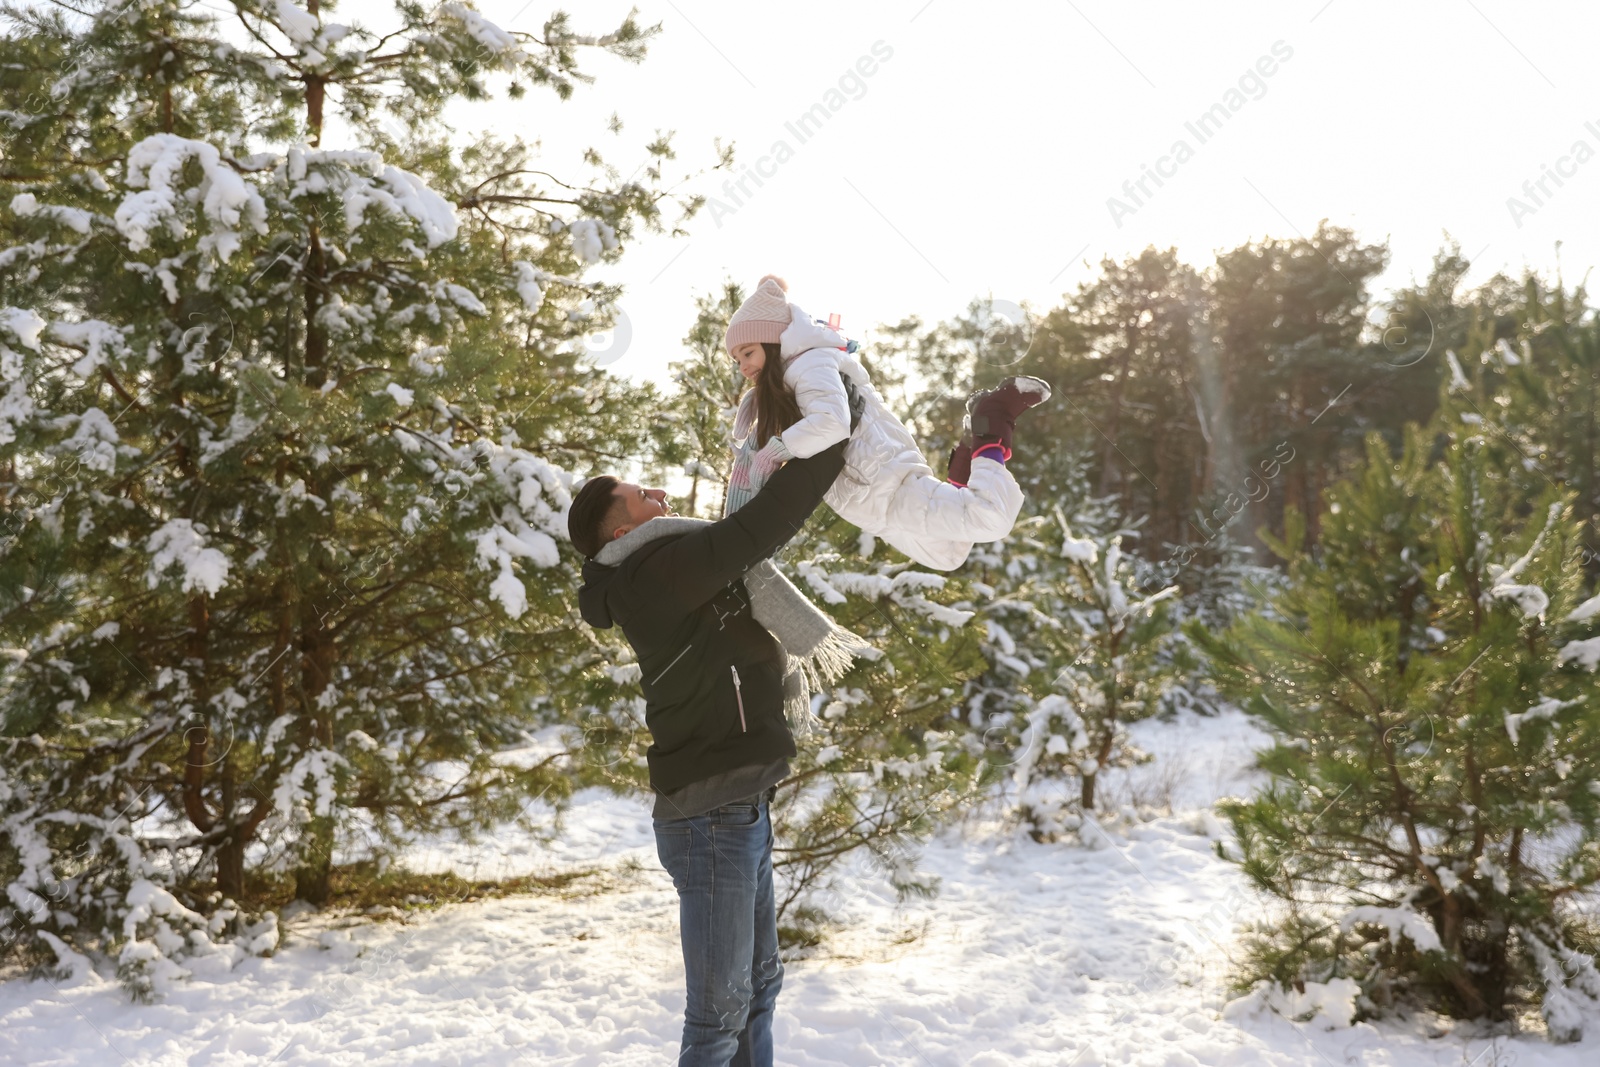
x=620, y=530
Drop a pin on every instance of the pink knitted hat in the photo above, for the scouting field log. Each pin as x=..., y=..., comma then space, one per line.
x=762, y=317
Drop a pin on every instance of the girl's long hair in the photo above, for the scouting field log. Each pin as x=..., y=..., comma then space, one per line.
x=776, y=406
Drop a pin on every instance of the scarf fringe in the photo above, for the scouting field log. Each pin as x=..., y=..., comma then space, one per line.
x=832, y=658
x=805, y=675
x=803, y=722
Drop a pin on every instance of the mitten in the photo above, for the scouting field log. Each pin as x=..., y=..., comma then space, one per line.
x=768, y=459
x=857, y=402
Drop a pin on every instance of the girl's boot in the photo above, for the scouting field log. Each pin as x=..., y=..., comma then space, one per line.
x=959, y=471
x=992, y=413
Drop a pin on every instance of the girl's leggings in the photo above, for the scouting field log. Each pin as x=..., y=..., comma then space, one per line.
x=936, y=523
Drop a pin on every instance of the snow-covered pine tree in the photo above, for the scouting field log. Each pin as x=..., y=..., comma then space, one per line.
x=1218, y=583
x=1434, y=807
x=887, y=763
x=1552, y=373
x=287, y=406
x=1100, y=669
x=1078, y=643
x=1035, y=596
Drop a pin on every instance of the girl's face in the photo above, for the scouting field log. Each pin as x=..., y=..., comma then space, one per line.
x=750, y=357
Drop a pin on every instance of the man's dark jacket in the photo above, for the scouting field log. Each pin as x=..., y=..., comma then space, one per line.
x=682, y=604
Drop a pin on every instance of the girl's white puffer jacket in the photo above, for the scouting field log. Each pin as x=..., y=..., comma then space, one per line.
x=882, y=452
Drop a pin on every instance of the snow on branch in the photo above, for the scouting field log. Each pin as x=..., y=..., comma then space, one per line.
x=1530, y=599
x=26, y=204
x=1399, y=922
x=1546, y=708
x=529, y=525
x=94, y=338
x=155, y=173
x=1585, y=611
x=1584, y=653
x=183, y=542
x=498, y=41
x=363, y=180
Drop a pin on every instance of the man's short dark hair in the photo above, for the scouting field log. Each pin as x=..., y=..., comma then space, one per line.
x=596, y=511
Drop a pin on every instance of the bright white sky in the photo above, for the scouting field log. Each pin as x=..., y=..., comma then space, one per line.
x=981, y=155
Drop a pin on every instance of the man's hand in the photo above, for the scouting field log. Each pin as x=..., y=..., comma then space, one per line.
x=857, y=402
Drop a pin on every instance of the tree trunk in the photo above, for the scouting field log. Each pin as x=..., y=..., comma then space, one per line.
x=1167, y=511
x=1296, y=491
x=1206, y=461
x=318, y=657
x=1114, y=422
x=313, y=877
x=1108, y=727
x=1588, y=496
x=231, y=853
x=316, y=647
x=316, y=352
x=198, y=736
x=231, y=869
x=1102, y=753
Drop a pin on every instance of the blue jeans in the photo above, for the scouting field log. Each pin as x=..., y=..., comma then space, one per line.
x=721, y=865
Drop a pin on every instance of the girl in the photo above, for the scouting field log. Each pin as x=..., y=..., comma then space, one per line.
x=798, y=407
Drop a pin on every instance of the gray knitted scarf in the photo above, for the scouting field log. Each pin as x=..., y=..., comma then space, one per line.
x=817, y=650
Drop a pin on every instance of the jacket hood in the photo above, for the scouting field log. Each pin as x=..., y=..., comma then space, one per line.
x=805, y=333
x=592, y=594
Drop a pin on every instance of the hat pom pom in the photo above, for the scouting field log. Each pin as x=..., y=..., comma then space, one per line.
x=765, y=278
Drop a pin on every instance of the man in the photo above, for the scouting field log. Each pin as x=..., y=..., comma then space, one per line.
x=713, y=684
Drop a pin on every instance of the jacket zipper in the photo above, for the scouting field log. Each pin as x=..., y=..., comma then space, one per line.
x=739, y=696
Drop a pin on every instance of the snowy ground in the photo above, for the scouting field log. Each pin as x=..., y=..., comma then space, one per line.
x=1056, y=955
